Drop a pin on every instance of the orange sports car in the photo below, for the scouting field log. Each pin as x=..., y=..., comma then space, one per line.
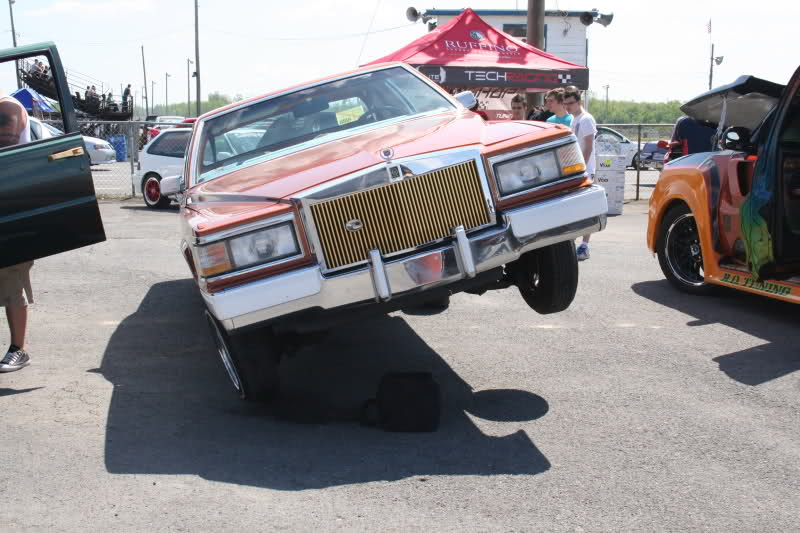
x=366, y=193
x=732, y=217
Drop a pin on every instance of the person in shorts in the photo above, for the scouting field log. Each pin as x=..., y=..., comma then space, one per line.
x=15, y=281
x=585, y=128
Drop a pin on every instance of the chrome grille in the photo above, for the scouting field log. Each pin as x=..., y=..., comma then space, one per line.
x=400, y=216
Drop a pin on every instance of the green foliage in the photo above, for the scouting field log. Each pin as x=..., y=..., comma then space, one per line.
x=624, y=112
x=215, y=100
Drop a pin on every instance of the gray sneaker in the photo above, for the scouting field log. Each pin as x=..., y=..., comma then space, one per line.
x=14, y=361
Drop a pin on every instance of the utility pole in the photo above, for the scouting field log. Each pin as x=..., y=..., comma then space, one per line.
x=188, y=88
x=14, y=40
x=197, y=57
x=606, y=88
x=535, y=37
x=711, y=69
x=166, y=93
x=153, y=93
x=146, y=99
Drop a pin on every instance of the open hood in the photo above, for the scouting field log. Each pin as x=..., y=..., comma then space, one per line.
x=749, y=101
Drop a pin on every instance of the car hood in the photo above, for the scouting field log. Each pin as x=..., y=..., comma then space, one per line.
x=291, y=174
x=749, y=101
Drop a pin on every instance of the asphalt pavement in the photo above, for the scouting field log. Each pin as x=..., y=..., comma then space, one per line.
x=637, y=409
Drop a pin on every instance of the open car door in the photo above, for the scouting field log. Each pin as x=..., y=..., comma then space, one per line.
x=47, y=198
x=770, y=216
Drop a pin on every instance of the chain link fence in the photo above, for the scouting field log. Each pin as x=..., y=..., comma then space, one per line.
x=115, y=180
x=641, y=134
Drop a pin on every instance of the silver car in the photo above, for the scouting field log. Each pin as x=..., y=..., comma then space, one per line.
x=100, y=151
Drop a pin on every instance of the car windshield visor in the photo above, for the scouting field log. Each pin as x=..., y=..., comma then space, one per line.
x=336, y=109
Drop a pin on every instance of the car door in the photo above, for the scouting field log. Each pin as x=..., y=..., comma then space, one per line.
x=770, y=215
x=47, y=198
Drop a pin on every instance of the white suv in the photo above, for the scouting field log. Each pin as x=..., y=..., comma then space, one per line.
x=161, y=157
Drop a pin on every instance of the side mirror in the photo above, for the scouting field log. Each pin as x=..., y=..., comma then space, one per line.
x=172, y=185
x=467, y=99
x=736, y=138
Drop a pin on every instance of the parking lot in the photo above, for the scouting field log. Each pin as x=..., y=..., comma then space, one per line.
x=637, y=409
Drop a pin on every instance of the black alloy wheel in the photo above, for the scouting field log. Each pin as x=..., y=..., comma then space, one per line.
x=680, y=253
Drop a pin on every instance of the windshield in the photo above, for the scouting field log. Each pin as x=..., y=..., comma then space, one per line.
x=331, y=108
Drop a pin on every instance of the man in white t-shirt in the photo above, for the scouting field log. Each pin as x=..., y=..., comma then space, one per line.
x=585, y=128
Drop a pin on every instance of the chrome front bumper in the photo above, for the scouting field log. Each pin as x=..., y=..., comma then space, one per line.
x=523, y=229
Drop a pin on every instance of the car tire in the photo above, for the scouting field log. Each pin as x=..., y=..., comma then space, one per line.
x=251, y=360
x=151, y=192
x=680, y=254
x=547, y=278
x=635, y=161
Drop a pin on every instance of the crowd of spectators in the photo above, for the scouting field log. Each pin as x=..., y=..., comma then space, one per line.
x=41, y=72
x=106, y=101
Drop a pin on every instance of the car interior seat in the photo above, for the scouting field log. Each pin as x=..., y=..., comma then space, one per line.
x=280, y=130
x=324, y=121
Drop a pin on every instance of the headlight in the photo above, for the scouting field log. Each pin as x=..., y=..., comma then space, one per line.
x=254, y=248
x=538, y=168
x=102, y=146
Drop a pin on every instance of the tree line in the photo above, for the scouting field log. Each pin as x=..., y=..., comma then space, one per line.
x=616, y=112
x=215, y=100
x=625, y=112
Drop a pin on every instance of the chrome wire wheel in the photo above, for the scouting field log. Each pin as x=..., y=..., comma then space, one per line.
x=224, y=353
x=683, y=252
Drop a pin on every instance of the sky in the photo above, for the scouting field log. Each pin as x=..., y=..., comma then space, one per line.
x=652, y=51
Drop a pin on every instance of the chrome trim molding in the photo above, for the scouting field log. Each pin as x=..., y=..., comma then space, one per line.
x=464, y=252
x=383, y=292
x=523, y=229
x=254, y=268
x=247, y=228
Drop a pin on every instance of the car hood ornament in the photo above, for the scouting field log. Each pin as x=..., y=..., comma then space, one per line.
x=387, y=154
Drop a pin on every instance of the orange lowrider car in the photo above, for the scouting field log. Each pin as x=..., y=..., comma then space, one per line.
x=367, y=193
x=732, y=217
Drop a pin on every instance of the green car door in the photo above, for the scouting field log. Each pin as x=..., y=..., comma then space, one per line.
x=47, y=199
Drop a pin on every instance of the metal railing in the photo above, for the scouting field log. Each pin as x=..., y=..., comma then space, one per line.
x=642, y=133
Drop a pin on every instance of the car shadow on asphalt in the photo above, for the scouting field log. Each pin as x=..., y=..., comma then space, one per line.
x=11, y=392
x=173, y=411
x=755, y=315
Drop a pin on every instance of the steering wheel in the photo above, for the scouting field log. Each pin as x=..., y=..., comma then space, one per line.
x=388, y=111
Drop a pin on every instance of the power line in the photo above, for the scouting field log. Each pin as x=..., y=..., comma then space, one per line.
x=327, y=38
x=364, y=42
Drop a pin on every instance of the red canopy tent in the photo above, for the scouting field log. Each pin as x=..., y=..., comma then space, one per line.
x=468, y=52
